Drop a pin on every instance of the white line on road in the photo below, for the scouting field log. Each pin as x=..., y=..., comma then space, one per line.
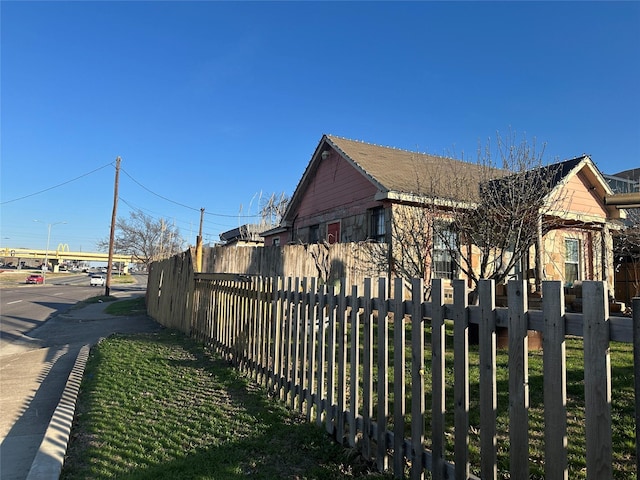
x=16, y=301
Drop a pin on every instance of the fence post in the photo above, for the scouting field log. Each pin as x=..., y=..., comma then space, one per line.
x=488, y=392
x=461, y=380
x=399, y=382
x=417, y=380
x=597, y=380
x=382, y=459
x=518, y=380
x=555, y=381
x=437, y=379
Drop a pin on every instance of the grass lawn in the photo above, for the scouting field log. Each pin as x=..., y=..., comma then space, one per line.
x=160, y=406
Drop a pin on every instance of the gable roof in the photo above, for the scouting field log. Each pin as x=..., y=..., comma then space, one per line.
x=397, y=171
x=405, y=175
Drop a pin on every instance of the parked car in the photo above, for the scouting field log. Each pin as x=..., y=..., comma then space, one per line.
x=97, y=281
x=35, y=279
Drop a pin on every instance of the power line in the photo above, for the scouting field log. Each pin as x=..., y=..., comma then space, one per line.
x=182, y=204
x=56, y=186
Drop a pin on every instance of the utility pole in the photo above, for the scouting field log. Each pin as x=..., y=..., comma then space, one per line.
x=112, y=235
x=199, y=244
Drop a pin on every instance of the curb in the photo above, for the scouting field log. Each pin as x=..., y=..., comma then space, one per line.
x=47, y=463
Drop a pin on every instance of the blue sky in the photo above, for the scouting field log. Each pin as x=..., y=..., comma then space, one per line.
x=210, y=103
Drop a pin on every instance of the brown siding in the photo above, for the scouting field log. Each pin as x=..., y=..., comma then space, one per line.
x=336, y=190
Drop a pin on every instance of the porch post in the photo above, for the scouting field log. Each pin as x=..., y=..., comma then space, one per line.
x=539, y=255
x=606, y=236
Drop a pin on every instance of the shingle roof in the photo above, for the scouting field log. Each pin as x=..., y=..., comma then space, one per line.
x=403, y=171
x=398, y=173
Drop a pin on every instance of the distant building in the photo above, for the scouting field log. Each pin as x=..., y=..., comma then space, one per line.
x=624, y=182
x=245, y=235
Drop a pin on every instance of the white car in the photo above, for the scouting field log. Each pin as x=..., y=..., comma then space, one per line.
x=97, y=281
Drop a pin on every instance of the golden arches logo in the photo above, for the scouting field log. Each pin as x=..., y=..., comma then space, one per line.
x=62, y=247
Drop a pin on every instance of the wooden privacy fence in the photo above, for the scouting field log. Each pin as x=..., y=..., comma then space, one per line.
x=354, y=362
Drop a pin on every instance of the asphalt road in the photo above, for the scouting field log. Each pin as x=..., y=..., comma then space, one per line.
x=38, y=371
x=25, y=307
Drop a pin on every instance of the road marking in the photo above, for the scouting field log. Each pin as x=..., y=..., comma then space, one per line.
x=17, y=301
x=56, y=294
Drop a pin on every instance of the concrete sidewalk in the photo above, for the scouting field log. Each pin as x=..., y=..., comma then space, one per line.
x=40, y=376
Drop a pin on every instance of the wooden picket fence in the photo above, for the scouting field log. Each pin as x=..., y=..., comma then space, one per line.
x=354, y=362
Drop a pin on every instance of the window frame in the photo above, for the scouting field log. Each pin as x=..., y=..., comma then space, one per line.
x=378, y=225
x=314, y=233
x=450, y=272
x=569, y=261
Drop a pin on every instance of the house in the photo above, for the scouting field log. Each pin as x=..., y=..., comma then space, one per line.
x=353, y=191
x=624, y=182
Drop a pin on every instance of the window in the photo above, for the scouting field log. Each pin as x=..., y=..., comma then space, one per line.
x=314, y=233
x=378, y=230
x=276, y=241
x=443, y=265
x=571, y=260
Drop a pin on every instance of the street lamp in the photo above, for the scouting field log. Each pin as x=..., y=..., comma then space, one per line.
x=46, y=253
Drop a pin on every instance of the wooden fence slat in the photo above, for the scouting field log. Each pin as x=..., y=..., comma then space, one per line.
x=295, y=347
x=321, y=345
x=311, y=352
x=636, y=369
x=288, y=341
x=597, y=380
x=331, y=361
x=437, y=378
x=488, y=391
x=342, y=362
x=354, y=372
x=305, y=316
x=367, y=372
x=518, y=380
x=461, y=377
x=417, y=380
x=277, y=336
x=382, y=459
x=399, y=381
x=555, y=382
x=262, y=338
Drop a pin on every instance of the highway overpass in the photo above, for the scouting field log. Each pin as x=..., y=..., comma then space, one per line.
x=60, y=255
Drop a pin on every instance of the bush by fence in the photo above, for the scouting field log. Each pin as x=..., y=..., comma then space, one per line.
x=354, y=361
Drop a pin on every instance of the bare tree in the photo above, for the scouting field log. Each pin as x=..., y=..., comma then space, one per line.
x=272, y=208
x=410, y=223
x=478, y=219
x=145, y=238
x=513, y=211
